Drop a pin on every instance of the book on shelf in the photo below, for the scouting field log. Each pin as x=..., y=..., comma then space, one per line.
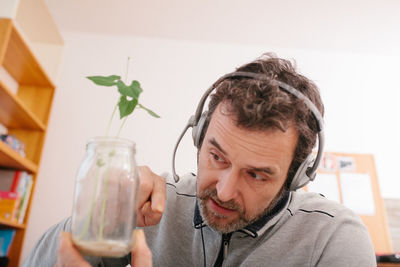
x=6, y=238
x=15, y=191
x=9, y=203
x=24, y=199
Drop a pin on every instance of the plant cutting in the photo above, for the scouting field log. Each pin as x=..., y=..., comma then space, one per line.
x=104, y=213
x=129, y=97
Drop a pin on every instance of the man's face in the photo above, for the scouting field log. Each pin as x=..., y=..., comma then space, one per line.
x=241, y=172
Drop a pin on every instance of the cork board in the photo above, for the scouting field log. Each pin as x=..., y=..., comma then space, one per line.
x=351, y=179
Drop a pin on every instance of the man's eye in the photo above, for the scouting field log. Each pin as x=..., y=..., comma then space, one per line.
x=216, y=157
x=256, y=176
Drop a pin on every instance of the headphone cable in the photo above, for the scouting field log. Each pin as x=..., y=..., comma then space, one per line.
x=204, y=249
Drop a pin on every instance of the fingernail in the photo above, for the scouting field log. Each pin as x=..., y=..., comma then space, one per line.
x=159, y=208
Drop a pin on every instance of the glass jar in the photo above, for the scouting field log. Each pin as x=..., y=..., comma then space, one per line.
x=105, y=199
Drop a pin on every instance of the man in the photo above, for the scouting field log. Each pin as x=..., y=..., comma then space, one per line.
x=242, y=208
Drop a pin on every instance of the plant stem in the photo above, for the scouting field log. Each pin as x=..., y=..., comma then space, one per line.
x=89, y=216
x=112, y=116
x=122, y=125
x=127, y=69
x=103, y=207
x=126, y=79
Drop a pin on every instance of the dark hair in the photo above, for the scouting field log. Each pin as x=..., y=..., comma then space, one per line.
x=260, y=104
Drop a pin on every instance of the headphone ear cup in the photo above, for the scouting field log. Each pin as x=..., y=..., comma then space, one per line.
x=198, y=129
x=301, y=178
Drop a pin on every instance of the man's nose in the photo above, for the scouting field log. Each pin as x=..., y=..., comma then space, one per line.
x=227, y=185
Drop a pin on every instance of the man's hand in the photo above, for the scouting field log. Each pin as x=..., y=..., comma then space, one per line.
x=69, y=256
x=152, y=196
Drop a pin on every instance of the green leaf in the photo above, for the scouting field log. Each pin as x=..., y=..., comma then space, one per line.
x=132, y=90
x=152, y=113
x=105, y=80
x=126, y=106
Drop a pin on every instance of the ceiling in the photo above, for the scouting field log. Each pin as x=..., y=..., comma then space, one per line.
x=372, y=26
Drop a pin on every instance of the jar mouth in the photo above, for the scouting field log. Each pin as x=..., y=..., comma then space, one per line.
x=110, y=140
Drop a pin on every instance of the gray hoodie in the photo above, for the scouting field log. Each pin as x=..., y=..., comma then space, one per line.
x=304, y=229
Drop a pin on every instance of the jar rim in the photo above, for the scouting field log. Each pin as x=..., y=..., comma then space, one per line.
x=101, y=140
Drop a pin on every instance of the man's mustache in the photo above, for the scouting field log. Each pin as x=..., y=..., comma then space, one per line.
x=212, y=193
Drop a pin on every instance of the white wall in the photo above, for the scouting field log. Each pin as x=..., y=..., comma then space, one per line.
x=9, y=8
x=360, y=92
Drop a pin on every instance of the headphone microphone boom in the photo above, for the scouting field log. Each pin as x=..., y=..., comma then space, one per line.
x=307, y=169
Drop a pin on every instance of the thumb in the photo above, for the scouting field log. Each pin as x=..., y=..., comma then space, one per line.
x=67, y=254
x=141, y=254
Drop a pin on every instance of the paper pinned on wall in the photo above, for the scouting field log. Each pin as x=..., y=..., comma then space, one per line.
x=326, y=184
x=357, y=193
x=346, y=163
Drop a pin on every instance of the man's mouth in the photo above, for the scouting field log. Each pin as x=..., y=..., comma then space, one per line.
x=217, y=208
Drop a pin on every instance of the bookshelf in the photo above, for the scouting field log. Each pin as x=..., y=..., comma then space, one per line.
x=25, y=114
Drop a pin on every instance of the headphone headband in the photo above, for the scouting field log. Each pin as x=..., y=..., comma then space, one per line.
x=309, y=171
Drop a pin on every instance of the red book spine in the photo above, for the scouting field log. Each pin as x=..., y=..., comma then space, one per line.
x=15, y=183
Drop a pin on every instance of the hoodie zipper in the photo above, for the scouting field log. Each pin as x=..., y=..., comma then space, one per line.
x=223, y=252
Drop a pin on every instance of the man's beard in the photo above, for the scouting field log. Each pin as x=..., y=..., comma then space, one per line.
x=241, y=221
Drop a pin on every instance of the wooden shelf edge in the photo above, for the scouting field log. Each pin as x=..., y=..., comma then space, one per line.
x=28, y=46
x=5, y=33
x=12, y=224
x=26, y=118
x=10, y=158
x=20, y=43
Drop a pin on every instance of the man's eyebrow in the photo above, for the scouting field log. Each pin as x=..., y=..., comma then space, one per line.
x=214, y=142
x=267, y=170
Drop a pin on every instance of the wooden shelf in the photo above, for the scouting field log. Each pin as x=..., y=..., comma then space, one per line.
x=20, y=62
x=11, y=159
x=25, y=114
x=14, y=114
x=12, y=224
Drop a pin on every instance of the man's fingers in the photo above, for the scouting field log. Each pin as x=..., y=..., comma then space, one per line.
x=158, y=195
x=152, y=196
x=148, y=216
x=67, y=254
x=146, y=185
x=141, y=254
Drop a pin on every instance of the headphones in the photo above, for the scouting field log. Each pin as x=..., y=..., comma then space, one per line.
x=307, y=169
